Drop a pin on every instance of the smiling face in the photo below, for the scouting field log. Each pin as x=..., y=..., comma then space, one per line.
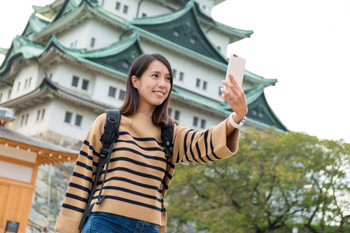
x=153, y=86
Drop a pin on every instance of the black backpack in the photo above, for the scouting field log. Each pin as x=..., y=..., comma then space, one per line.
x=111, y=133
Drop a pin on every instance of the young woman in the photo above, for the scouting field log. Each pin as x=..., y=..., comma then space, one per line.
x=138, y=176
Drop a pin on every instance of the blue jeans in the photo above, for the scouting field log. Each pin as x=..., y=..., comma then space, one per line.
x=99, y=222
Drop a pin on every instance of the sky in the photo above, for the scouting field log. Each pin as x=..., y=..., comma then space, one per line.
x=304, y=44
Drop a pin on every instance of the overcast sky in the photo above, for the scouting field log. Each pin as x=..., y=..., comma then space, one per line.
x=302, y=43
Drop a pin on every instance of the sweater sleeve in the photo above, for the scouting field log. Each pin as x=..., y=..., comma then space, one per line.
x=80, y=184
x=203, y=146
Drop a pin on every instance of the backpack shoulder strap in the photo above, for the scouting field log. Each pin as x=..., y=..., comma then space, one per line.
x=167, y=138
x=111, y=130
x=111, y=133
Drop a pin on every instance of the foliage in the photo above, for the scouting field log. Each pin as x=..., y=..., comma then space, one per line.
x=274, y=181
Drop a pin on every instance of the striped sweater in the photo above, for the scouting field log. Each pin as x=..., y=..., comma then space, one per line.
x=134, y=185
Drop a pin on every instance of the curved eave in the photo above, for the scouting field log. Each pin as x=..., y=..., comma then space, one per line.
x=21, y=48
x=262, y=125
x=180, y=49
x=199, y=101
x=259, y=79
x=73, y=56
x=257, y=102
x=81, y=13
x=112, y=49
x=3, y=51
x=235, y=32
x=49, y=11
x=204, y=46
x=47, y=153
x=35, y=24
x=67, y=6
x=253, y=94
x=49, y=90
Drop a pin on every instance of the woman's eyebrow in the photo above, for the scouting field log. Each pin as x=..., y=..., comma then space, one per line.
x=158, y=72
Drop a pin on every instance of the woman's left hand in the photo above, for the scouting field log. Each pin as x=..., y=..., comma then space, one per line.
x=234, y=95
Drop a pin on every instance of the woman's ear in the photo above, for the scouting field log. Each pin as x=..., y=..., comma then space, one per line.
x=135, y=81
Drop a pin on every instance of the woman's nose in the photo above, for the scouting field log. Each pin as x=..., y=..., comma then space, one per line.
x=162, y=82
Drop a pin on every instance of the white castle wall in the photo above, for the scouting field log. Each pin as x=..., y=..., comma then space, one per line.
x=5, y=93
x=110, y=5
x=25, y=80
x=152, y=9
x=80, y=36
x=57, y=124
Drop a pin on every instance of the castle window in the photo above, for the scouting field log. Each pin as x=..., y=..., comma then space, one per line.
x=75, y=81
x=22, y=119
x=25, y=84
x=177, y=115
x=26, y=120
x=181, y=78
x=42, y=114
x=30, y=81
x=9, y=94
x=122, y=95
x=85, y=84
x=198, y=82
x=125, y=9
x=174, y=73
x=92, y=42
x=195, y=121
x=203, y=122
x=125, y=64
x=220, y=93
x=78, y=119
x=18, y=86
x=170, y=111
x=192, y=41
x=68, y=117
x=112, y=91
x=144, y=15
x=118, y=6
x=205, y=85
x=38, y=115
x=0, y=96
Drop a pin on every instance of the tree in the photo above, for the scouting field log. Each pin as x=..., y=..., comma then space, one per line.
x=275, y=181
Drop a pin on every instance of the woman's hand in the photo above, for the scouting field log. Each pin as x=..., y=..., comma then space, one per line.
x=234, y=95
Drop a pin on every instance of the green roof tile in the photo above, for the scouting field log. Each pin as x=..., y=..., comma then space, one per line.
x=201, y=100
x=182, y=27
x=20, y=47
x=34, y=25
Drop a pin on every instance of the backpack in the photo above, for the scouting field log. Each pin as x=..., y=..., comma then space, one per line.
x=111, y=133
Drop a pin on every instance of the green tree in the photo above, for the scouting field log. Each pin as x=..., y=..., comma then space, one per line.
x=275, y=181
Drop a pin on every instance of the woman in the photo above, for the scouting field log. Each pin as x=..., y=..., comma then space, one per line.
x=138, y=176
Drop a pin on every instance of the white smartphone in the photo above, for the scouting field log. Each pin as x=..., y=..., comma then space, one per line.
x=236, y=67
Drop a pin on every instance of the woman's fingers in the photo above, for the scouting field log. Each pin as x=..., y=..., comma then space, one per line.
x=234, y=95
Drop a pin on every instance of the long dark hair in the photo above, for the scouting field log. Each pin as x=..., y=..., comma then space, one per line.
x=160, y=115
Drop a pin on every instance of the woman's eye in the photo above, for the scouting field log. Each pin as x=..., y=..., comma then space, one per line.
x=155, y=75
x=168, y=78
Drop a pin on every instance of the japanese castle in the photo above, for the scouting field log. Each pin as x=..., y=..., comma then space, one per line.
x=71, y=62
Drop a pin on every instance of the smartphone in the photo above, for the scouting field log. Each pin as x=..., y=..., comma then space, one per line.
x=236, y=67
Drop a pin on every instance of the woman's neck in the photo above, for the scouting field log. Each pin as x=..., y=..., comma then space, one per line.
x=147, y=111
